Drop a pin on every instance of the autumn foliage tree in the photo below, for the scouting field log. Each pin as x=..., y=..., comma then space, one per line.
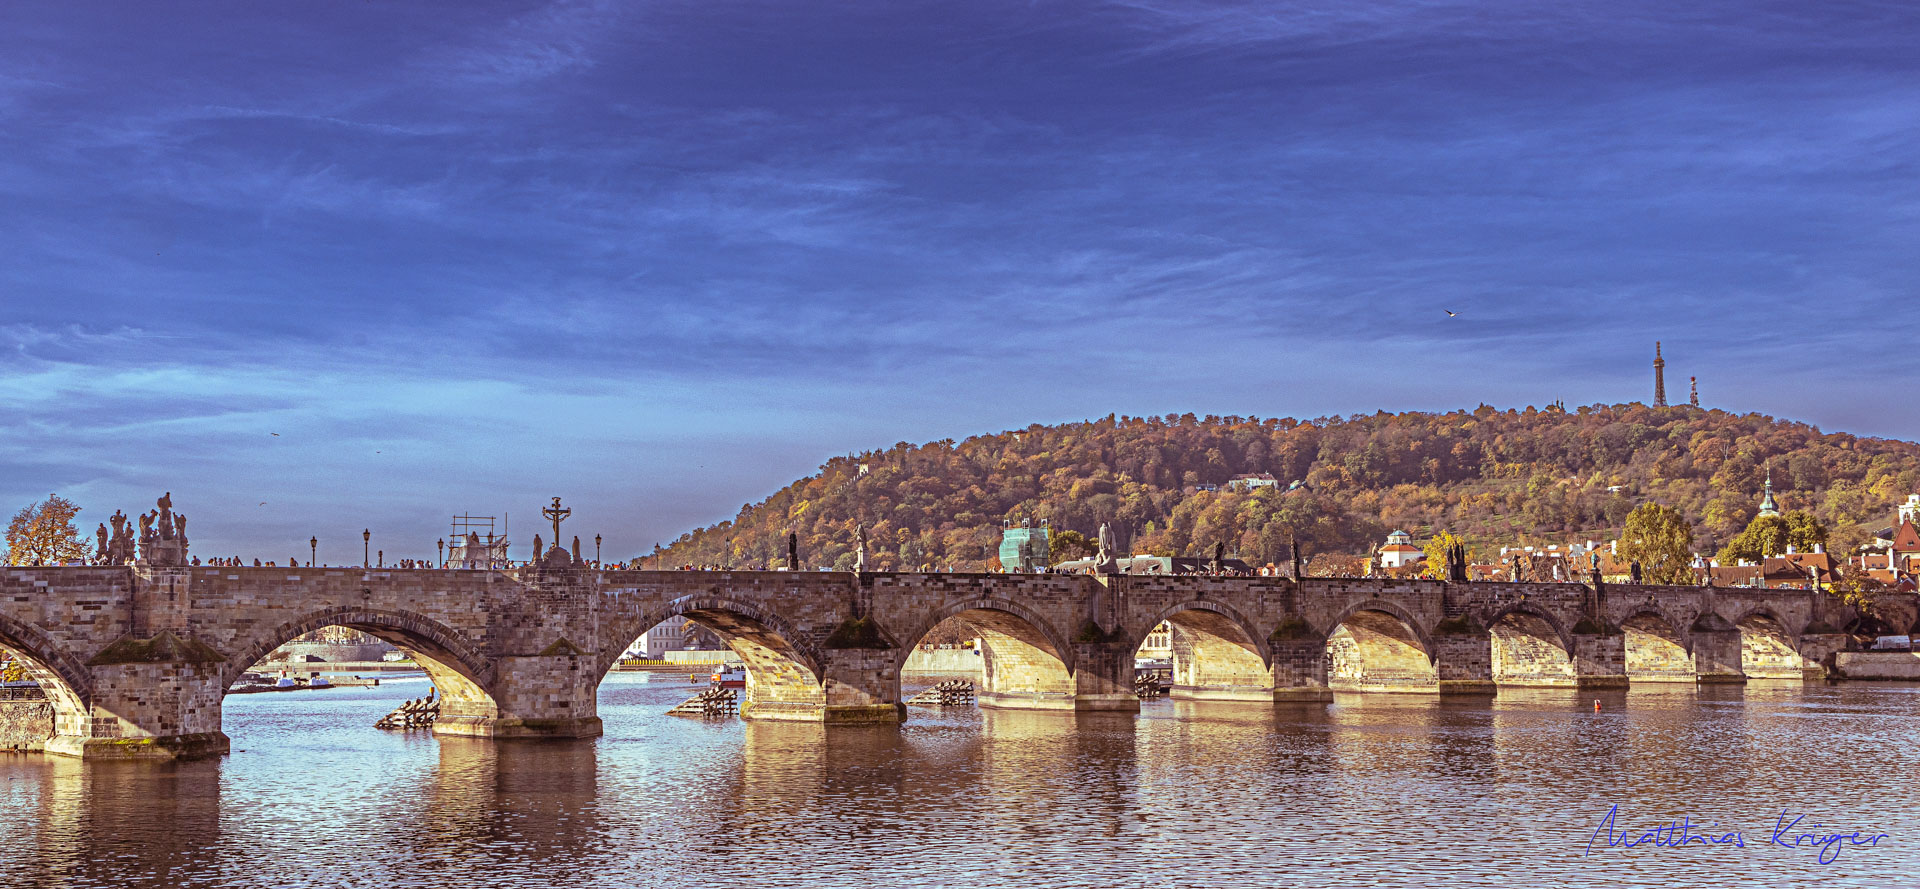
x=43, y=534
x=1661, y=541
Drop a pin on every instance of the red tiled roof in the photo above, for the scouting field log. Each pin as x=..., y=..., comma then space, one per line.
x=1907, y=539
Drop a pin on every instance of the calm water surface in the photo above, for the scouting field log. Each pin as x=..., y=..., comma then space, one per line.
x=1373, y=791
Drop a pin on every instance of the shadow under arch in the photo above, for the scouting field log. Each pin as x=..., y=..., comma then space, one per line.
x=784, y=671
x=1767, y=649
x=1026, y=663
x=1217, y=654
x=1530, y=648
x=65, y=681
x=1375, y=646
x=462, y=675
x=1654, y=649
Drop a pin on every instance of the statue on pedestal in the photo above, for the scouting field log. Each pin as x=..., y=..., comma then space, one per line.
x=1104, y=562
x=860, y=552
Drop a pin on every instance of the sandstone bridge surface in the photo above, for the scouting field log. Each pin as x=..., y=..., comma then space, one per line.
x=135, y=660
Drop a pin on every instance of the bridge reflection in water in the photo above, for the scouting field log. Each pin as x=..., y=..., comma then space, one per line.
x=136, y=660
x=1398, y=790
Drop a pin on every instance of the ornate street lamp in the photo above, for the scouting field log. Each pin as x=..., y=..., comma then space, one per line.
x=442, y=547
x=366, y=542
x=596, y=550
x=313, y=550
x=383, y=558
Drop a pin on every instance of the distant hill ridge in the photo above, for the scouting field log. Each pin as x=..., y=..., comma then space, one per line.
x=1491, y=476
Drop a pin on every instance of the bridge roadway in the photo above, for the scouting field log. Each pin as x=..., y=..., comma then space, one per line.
x=137, y=659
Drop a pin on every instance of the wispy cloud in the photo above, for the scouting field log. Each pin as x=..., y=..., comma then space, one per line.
x=693, y=248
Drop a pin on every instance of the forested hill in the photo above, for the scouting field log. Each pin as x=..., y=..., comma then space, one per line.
x=1490, y=476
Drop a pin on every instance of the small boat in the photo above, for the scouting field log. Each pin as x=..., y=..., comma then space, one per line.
x=730, y=676
x=250, y=683
x=288, y=683
x=319, y=682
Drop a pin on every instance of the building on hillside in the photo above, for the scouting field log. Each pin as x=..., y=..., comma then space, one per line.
x=1252, y=482
x=1399, y=552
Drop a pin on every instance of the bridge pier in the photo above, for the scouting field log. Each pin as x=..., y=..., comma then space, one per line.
x=1300, y=670
x=156, y=698
x=552, y=695
x=1600, y=660
x=1817, y=651
x=1716, y=656
x=1463, y=661
x=1101, y=680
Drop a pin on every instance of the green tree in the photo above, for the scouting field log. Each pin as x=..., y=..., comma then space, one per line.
x=43, y=533
x=1661, y=541
x=1066, y=546
x=1770, y=535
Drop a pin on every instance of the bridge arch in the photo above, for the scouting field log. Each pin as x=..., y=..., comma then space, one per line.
x=784, y=669
x=1385, y=606
x=1026, y=660
x=1530, y=647
x=47, y=660
x=1376, y=645
x=1217, y=652
x=462, y=675
x=65, y=681
x=1655, y=648
x=1767, y=645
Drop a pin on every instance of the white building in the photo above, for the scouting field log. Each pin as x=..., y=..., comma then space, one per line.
x=1399, y=551
x=1252, y=482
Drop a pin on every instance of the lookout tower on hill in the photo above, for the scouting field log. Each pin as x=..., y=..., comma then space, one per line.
x=1659, y=377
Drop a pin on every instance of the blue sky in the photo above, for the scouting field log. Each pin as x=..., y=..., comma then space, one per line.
x=661, y=258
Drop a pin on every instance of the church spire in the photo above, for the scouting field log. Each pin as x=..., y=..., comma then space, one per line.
x=1767, y=505
x=1659, y=377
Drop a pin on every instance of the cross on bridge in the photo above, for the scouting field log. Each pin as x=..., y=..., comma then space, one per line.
x=557, y=514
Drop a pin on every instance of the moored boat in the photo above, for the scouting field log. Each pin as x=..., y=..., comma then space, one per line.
x=730, y=676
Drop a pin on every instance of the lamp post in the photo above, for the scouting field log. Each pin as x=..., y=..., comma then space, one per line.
x=596, y=550
x=442, y=547
x=366, y=543
x=383, y=558
x=313, y=550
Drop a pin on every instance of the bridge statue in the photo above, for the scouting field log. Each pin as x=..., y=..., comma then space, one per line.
x=1104, y=562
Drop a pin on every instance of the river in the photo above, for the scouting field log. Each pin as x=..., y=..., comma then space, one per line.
x=1373, y=790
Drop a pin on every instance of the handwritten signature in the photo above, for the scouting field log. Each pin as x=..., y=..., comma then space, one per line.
x=1681, y=833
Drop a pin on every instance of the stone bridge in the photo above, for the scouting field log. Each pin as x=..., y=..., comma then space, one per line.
x=136, y=660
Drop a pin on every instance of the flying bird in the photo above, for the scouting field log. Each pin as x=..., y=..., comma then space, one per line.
x=274, y=434
x=263, y=503
x=1451, y=313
